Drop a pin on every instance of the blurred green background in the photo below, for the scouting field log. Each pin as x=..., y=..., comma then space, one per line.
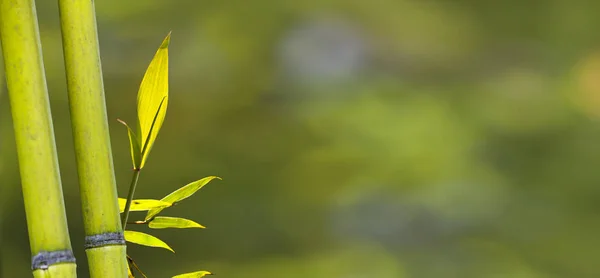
x=356, y=139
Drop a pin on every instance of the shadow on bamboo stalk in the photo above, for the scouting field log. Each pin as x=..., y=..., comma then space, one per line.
x=105, y=243
x=34, y=134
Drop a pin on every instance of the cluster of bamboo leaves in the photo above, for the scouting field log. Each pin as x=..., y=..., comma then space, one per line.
x=152, y=103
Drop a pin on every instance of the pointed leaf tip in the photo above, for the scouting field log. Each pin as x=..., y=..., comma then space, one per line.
x=166, y=41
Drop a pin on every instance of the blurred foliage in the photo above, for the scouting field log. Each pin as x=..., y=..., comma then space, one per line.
x=388, y=138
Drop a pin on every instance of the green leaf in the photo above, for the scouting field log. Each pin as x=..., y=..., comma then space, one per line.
x=142, y=204
x=180, y=194
x=163, y=222
x=146, y=240
x=196, y=274
x=153, y=98
x=134, y=146
x=145, y=149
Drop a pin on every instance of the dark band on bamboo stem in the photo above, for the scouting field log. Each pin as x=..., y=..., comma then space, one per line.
x=100, y=240
x=43, y=260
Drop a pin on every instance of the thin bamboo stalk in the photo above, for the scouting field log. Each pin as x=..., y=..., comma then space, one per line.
x=34, y=134
x=105, y=245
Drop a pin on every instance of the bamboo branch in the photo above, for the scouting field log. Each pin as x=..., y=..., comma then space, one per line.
x=132, y=186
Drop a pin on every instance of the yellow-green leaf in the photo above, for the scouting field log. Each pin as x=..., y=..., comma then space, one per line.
x=153, y=98
x=146, y=240
x=163, y=222
x=180, y=194
x=134, y=146
x=196, y=274
x=142, y=204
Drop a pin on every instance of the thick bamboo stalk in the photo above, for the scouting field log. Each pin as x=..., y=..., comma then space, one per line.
x=34, y=134
x=105, y=245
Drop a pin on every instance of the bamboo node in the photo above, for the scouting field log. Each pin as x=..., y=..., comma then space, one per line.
x=43, y=260
x=104, y=239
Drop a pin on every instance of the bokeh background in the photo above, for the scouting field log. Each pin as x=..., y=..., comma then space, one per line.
x=356, y=139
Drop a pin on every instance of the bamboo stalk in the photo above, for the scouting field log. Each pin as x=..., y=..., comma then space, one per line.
x=34, y=134
x=105, y=245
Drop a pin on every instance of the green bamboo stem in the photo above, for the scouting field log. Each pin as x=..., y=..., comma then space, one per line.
x=91, y=137
x=34, y=135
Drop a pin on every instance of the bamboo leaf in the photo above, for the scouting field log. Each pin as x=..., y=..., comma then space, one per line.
x=146, y=240
x=153, y=97
x=142, y=204
x=134, y=146
x=163, y=222
x=180, y=194
x=145, y=149
x=196, y=274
